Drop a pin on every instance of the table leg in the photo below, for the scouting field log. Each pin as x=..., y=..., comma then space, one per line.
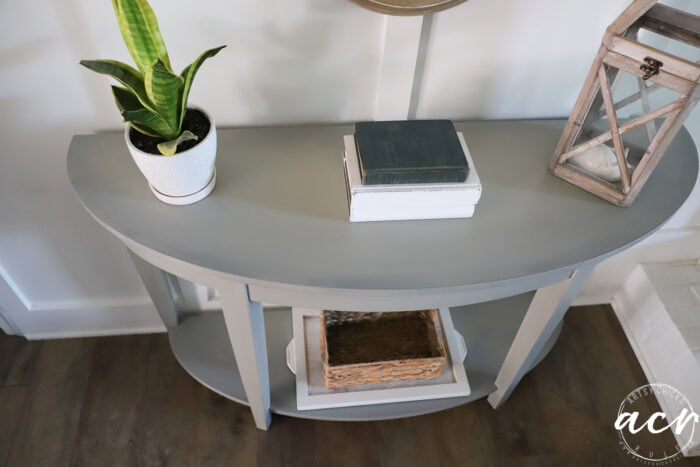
x=156, y=282
x=546, y=311
x=246, y=329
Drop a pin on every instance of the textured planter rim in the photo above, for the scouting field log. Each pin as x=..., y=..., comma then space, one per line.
x=201, y=191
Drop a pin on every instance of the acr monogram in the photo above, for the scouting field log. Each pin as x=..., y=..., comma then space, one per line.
x=629, y=419
x=640, y=427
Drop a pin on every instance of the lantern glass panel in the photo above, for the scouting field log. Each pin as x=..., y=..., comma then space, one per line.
x=632, y=98
x=668, y=44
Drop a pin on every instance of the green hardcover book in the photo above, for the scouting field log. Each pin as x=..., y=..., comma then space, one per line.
x=413, y=151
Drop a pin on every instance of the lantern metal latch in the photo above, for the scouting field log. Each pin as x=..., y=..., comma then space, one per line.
x=650, y=67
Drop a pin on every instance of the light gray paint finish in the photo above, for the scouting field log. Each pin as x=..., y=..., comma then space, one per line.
x=201, y=346
x=350, y=300
x=279, y=222
x=542, y=320
x=405, y=300
x=279, y=213
x=246, y=330
x=156, y=282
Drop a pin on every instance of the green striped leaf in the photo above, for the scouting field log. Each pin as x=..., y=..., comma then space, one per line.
x=126, y=75
x=147, y=119
x=141, y=33
x=128, y=102
x=163, y=89
x=169, y=148
x=188, y=75
x=125, y=99
x=142, y=119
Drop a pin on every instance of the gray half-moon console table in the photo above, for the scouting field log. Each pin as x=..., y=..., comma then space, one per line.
x=275, y=230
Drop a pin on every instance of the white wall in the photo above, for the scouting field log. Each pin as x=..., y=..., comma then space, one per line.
x=301, y=61
x=286, y=62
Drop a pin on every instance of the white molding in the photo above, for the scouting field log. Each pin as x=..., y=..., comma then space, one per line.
x=86, y=304
x=6, y=323
x=12, y=301
x=402, y=37
x=600, y=296
x=421, y=60
x=5, y=276
x=88, y=322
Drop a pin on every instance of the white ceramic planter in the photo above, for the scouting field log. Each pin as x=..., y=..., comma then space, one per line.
x=183, y=178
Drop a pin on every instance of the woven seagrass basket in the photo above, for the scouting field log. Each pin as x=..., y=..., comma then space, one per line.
x=361, y=348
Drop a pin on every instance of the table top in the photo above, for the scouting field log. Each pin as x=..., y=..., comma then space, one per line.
x=279, y=212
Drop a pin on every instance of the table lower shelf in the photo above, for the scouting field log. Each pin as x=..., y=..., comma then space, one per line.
x=201, y=345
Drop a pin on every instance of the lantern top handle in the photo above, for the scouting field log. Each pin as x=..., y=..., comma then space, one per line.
x=665, y=20
x=628, y=17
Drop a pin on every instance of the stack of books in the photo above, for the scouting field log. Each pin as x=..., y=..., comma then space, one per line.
x=407, y=170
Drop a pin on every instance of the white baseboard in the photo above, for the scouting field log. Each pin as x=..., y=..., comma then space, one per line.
x=11, y=292
x=89, y=304
x=599, y=296
x=102, y=320
x=6, y=324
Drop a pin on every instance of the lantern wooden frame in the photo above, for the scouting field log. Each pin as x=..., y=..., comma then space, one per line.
x=621, y=51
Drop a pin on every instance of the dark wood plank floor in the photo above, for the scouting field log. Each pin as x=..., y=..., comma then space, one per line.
x=125, y=401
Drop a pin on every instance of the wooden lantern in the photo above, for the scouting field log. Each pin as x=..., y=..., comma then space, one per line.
x=633, y=102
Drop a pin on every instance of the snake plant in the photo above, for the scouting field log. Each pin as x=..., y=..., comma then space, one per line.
x=152, y=98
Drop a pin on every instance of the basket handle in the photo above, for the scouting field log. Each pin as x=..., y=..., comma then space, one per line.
x=291, y=357
x=462, y=346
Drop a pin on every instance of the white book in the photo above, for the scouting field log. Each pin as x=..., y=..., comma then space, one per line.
x=411, y=213
x=409, y=201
